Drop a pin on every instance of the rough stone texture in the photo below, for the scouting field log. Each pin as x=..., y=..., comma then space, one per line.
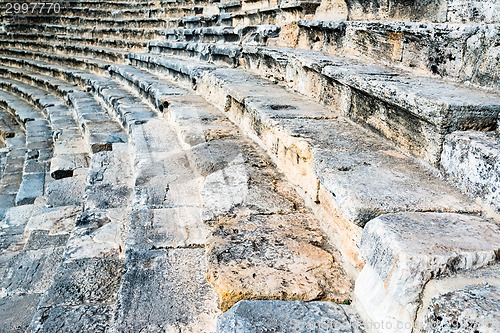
x=472, y=160
x=273, y=257
x=156, y=288
x=29, y=272
x=473, y=309
x=404, y=251
x=88, y=318
x=164, y=204
x=16, y=311
x=286, y=316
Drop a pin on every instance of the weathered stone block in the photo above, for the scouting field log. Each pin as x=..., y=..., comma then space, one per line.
x=273, y=257
x=286, y=316
x=475, y=308
x=472, y=161
x=404, y=251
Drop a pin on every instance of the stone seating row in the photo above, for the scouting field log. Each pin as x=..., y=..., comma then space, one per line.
x=350, y=86
x=293, y=134
x=115, y=43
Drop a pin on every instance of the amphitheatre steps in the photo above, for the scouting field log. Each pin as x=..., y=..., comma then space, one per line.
x=291, y=134
x=350, y=86
x=60, y=129
x=216, y=148
x=459, y=52
x=230, y=163
x=38, y=148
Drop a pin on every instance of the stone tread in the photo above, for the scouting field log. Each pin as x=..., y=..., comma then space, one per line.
x=9, y=127
x=99, y=128
x=440, y=49
x=75, y=49
x=439, y=107
x=246, y=35
x=129, y=44
x=300, y=124
x=65, y=133
x=72, y=30
x=472, y=160
x=405, y=251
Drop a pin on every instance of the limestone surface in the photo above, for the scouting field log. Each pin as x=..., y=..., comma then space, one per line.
x=473, y=309
x=286, y=316
x=404, y=251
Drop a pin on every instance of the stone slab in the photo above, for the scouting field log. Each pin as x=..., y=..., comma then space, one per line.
x=273, y=257
x=31, y=188
x=29, y=271
x=286, y=317
x=475, y=308
x=17, y=311
x=472, y=160
x=156, y=288
x=404, y=251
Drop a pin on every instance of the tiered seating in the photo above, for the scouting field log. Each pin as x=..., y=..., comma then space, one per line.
x=360, y=116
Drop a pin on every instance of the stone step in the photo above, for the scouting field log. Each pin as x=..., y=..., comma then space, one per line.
x=456, y=11
x=302, y=137
x=461, y=52
x=39, y=142
x=282, y=316
x=230, y=6
x=9, y=127
x=113, y=43
x=262, y=205
x=416, y=112
x=27, y=267
x=164, y=250
x=91, y=32
x=95, y=22
x=21, y=110
x=255, y=193
x=99, y=129
x=106, y=54
x=123, y=5
x=284, y=13
x=69, y=146
x=77, y=62
x=474, y=307
x=472, y=160
x=253, y=35
x=133, y=13
x=85, y=286
x=9, y=184
x=405, y=251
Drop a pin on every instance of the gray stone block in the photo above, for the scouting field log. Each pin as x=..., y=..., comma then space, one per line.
x=472, y=160
x=475, y=308
x=156, y=287
x=405, y=251
x=32, y=187
x=286, y=317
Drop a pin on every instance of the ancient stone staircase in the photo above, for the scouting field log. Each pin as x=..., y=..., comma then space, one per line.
x=250, y=166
